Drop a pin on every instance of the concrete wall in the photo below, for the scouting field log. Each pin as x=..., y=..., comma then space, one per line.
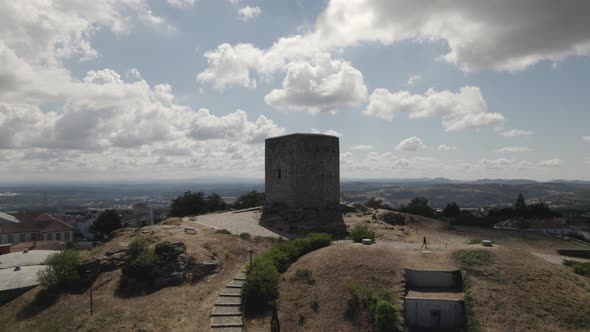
x=422, y=313
x=425, y=279
x=581, y=253
x=310, y=170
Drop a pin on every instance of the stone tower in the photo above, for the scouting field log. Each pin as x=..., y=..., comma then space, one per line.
x=302, y=171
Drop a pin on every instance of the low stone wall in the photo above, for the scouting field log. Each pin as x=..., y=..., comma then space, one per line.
x=427, y=279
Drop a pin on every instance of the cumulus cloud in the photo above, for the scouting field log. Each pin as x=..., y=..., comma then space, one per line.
x=516, y=133
x=480, y=35
x=444, y=147
x=230, y=65
x=414, y=79
x=411, y=144
x=319, y=85
x=513, y=149
x=248, y=13
x=181, y=3
x=363, y=147
x=462, y=110
x=555, y=162
x=327, y=132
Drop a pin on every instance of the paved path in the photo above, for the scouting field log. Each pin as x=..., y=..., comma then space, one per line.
x=227, y=312
x=237, y=223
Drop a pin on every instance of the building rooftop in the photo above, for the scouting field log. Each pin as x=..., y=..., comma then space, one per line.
x=302, y=134
x=436, y=295
x=5, y=217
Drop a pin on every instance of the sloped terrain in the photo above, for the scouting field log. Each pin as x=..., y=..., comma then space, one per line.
x=181, y=308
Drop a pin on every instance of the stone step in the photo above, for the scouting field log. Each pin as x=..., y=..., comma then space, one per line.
x=241, y=276
x=230, y=292
x=228, y=300
x=226, y=329
x=227, y=321
x=235, y=284
x=226, y=311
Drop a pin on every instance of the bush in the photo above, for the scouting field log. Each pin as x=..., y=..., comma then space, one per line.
x=136, y=247
x=261, y=287
x=360, y=232
x=249, y=200
x=263, y=279
x=222, y=231
x=62, y=269
x=376, y=203
x=143, y=267
x=245, y=236
x=166, y=251
x=579, y=267
x=376, y=306
x=385, y=318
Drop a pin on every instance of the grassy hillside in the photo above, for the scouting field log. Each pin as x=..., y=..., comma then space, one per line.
x=182, y=308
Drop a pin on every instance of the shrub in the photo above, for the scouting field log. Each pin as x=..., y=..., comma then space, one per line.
x=385, y=317
x=579, y=267
x=136, y=247
x=61, y=270
x=360, y=232
x=222, y=231
x=166, y=251
x=245, y=236
x=143, y=267
x=262, y=282
x=374, y=305
x=249, y=200
x=261, y=287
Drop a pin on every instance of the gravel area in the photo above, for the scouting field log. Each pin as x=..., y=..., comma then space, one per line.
x=236, y=223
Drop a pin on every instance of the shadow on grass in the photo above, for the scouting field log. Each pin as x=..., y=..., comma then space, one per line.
x=132, y=288
x=42, y=301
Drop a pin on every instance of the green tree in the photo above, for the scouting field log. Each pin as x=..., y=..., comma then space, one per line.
x=418, y=205
x=215, y=203
x=249, y=200
x=452, y=210
x=376, y=203
x=188, y=204
x=520, y=207
x=61, y=270
x=106, y=222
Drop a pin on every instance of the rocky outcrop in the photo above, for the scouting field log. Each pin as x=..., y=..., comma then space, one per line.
x=392, y=218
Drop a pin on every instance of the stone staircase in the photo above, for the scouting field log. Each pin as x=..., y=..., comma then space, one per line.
x=227, y=312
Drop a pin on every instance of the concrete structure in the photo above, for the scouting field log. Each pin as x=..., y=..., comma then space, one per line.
x=434, y=279
x=18, y=272
x=434, y=300
x=302, y=171
x=432, y=313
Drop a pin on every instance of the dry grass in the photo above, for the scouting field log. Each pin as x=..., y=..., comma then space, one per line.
x=182, y=308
